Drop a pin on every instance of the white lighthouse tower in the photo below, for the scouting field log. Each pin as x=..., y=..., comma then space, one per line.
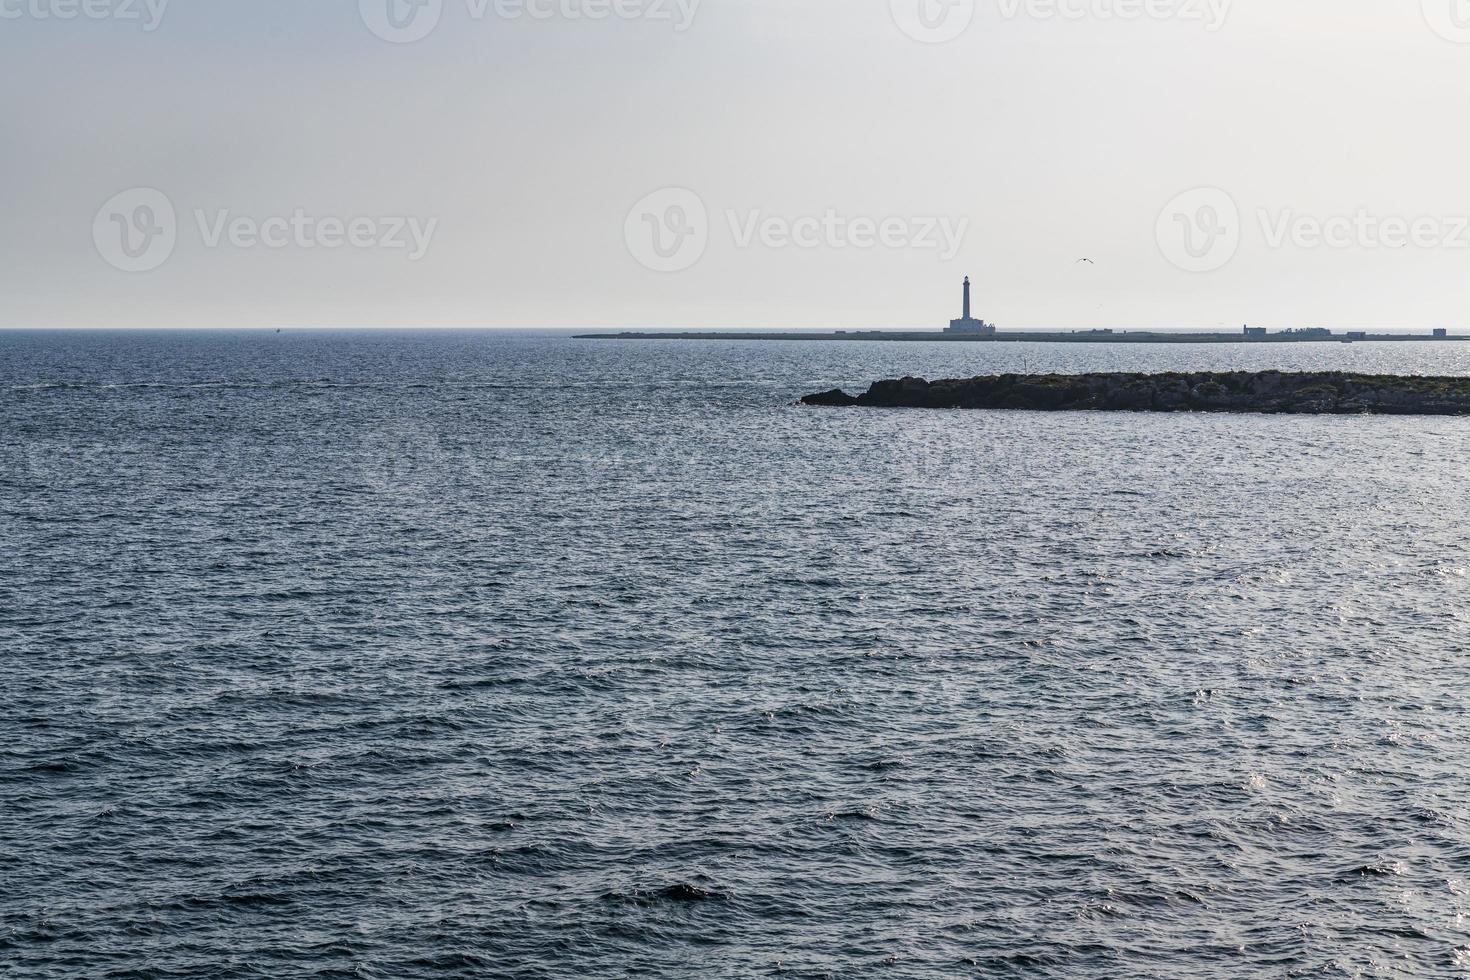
x=967, y=323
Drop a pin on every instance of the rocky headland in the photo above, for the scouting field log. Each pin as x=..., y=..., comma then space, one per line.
x=1276, y=392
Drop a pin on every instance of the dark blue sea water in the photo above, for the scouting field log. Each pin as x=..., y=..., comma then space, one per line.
x=402, y=656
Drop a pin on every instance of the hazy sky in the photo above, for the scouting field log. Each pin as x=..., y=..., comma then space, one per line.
x=801, y=162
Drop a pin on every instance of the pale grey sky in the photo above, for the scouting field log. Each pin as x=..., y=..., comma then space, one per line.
x=500, y=158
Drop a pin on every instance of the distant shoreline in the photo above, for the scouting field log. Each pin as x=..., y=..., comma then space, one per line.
x=1071, y=337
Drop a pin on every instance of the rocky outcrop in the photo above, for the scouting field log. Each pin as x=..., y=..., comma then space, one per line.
x=1239, y=391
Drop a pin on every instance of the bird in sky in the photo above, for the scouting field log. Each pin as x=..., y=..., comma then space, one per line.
x=1088, y=261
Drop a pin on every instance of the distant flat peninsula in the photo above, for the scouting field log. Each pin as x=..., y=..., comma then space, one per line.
x=1270, y=392
x=1249, y=336
x=970, y=329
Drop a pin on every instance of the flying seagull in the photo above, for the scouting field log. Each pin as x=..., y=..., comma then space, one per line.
x=1088, y=261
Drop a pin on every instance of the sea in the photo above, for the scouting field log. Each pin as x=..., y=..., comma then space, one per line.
x=471, y=654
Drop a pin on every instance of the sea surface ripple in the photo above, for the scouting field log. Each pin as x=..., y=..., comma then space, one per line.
x=425, y=655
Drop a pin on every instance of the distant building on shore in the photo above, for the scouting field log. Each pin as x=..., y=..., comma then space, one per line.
x=967, y=323
x=1255, y=331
